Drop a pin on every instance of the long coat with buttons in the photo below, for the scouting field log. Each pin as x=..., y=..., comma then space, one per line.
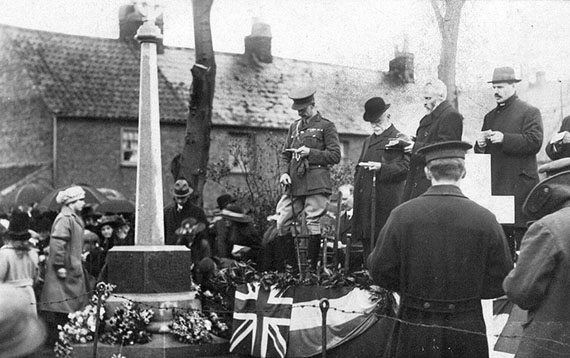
x=389, y=185
x=513, y=162
x=444, y=253
x=311, y=176
x=443, y=124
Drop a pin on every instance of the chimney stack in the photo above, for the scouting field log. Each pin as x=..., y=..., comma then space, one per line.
x=402, y=66
x=258, y=44
x=129, y=22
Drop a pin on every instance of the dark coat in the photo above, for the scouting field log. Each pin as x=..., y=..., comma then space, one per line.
x=559, y=150
x=389, y=185
x=311, y=175
x=173, y=219
x=513, y=162
x=540, y=283
x=442, y=253
x=441, y=125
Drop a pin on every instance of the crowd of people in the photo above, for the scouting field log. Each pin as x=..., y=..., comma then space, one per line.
x=420, y=236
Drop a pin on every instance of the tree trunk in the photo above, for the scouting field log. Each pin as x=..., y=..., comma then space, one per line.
x=195, y=155
x=448, y=18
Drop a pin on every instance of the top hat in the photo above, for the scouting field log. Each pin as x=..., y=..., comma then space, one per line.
x=374, y=108
x=224, y=200
x=548, y=195
x=504, y=74
x=449, y=149
x=302, y=97
x=555, y=167
x=181, y=189
x=235, y=213
x=19, y=226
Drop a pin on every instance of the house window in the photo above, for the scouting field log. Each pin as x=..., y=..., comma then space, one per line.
x=129, y=146
x=241, y=152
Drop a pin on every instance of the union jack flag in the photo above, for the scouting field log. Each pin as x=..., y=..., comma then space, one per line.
x=261, y=321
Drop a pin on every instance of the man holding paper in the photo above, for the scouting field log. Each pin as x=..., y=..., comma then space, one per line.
x=512, y=134
x=559, y=145
x=380, y=174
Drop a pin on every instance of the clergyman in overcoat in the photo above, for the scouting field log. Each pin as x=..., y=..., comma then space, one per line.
x=381, y=168
x=442, y=253
x=442, y=123
x=540, y=282
x=512, y=134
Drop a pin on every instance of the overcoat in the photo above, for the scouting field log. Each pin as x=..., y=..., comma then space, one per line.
x=311, y=175
x=68, y=294
x=173, y=219
x=443, y=124
x=513, y=162
x=559, y=150
x=389, y=185
x=540, y=283
x=442, y=253
x=21, y=271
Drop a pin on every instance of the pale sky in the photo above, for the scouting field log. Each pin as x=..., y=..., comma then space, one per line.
x=529, y=35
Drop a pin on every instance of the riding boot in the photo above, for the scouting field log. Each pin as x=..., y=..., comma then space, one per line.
x=285, y=251
x=313, y=250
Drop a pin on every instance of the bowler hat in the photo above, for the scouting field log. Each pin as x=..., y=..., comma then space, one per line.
x=224, y=200
x=374, y=108
x=19, y=226
x=449, y=149
x=181, y=189
x=302, y=97
x=548, y=195
x=235, y=213
x=504, y=74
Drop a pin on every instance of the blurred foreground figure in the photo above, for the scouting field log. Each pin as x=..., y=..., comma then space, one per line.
x=442, y=253
x=21, y=333
x=540, y=283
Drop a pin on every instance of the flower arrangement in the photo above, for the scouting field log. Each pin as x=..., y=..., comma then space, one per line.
x=195, y=328
x=81, y=325
x=128, y=325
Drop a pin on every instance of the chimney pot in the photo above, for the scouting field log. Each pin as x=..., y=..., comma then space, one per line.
x=540, y=78
x=258, y=44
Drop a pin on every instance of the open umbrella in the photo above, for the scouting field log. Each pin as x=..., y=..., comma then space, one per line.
x=32, y=193
x=117, y=206
x=92, y=196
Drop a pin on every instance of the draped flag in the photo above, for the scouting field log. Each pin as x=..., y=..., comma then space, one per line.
x=274, y=324
x=261, y=321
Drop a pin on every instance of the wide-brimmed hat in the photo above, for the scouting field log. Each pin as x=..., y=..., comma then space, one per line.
x=112, y=220
x=21, y=332
x=504, y=74
x=235, y=213
x=224, y=200
x=181, y=189
x=302, y=97
x=19, y=226
x=374, y=108
x=548, y=195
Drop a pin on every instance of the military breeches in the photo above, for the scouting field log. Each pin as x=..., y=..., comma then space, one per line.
x=313, y=206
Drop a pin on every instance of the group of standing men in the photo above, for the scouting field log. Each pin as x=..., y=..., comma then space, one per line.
x=441, y=252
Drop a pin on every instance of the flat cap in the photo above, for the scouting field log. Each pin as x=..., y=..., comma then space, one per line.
x=302, y=97
x=449, y=149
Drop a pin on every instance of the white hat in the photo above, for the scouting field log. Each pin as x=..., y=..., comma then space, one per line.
x=70, y=195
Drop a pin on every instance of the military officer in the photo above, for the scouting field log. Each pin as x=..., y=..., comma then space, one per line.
x=311, y=148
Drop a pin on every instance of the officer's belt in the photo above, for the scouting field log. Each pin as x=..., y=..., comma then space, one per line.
x=441, y=306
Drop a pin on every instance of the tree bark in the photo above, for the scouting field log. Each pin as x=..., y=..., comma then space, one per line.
x=448, y=18
x=195, y=155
